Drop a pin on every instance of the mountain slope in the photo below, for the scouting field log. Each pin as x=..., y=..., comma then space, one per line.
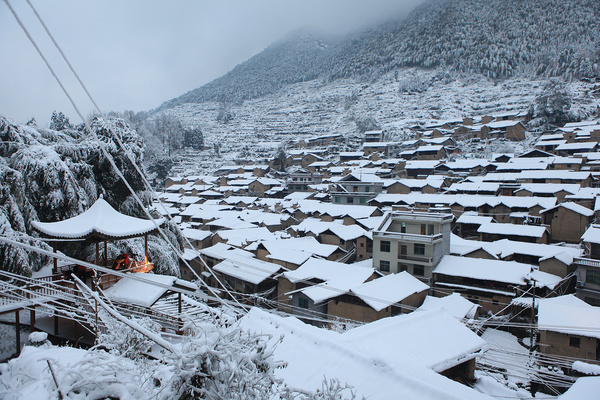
x=290, y=60
x=496, y=38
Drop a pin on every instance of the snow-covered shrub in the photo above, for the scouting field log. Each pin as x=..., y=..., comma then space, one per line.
x=219, y=360
x=124, y=341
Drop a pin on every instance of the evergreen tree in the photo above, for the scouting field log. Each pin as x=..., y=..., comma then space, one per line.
x=59, y=121
x=193, y=137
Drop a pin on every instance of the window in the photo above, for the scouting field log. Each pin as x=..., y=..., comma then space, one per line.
x=403, y=227
x=384, y=246
x=592, y=276
x=403, y=251
x=338, y=199
x=363, y=200
x=419, y=249
x=418, y=270
x=402, y=267
x=367, y=189
x=384, y=266
x=574, y=341
x=423, y=229
x=350, y=200
x=430, y=229
x=303, y=302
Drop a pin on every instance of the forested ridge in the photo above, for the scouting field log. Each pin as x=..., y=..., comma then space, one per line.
x=495, y=38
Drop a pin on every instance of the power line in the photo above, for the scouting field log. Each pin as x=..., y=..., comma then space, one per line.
x=103, y=149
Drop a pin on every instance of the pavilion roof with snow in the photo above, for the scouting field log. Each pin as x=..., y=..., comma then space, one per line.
x=99, y=222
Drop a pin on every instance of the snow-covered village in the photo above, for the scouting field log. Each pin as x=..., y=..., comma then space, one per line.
x=408, y=210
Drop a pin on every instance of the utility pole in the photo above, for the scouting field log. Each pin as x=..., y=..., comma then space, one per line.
x=531, y=344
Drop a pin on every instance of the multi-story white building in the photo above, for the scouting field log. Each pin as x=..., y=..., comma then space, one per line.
x=411, y=241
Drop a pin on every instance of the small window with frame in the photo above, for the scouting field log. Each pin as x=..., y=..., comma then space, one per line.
x=574, y=341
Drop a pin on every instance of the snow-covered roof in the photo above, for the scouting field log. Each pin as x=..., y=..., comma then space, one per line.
x=238, y=199
x=347, y=232
x=242, y=236
x=467, y=163
x=460, y=246
x=524, y=164
x=569, y=315
x=473, y=218
x=221, y=251
x=577, y=146
x=552, y=136
x=230, y=223
x=454, y=304
x=100, y=221
x=474, y=187
x=466, y=200
x=586, y=387
x=535, y=174
x=512, y=229
x=133, y=291
x=195, y=234
x=387, y=290
x=502, y=124
x=550, y=188
x=569, y=205
x=295, y=249
x=592, y=234
x=510, y=272
x=325, y=270
x=247, y=269
x=505, y=248
x=312, y=353
x=422, y=164
x=428, y=148
x=544, y=279
x=432, y=339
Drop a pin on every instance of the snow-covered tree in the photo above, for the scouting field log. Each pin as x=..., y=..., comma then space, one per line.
x=193, y=138
x=59, y=122
x=49, y=175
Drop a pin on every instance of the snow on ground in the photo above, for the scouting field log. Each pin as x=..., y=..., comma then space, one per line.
x=80, y=374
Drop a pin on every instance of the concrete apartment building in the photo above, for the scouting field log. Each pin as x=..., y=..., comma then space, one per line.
x=411, y=241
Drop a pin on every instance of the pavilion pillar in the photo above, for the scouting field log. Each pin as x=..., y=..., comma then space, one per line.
x=97, y=253
x=106, y=253
x=55, y=265
x=18, y=331
x=55, y=324
x=180, y=331
x=32, y=319
x=179, y=308
x=145, y=249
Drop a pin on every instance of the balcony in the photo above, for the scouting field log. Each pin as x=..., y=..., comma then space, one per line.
x=423, y=259
x=588, y=262
x=409, y=237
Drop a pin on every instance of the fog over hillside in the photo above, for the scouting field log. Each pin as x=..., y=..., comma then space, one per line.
x=498, y=39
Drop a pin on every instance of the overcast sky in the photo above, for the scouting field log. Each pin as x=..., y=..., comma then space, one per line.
x=133, y=55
